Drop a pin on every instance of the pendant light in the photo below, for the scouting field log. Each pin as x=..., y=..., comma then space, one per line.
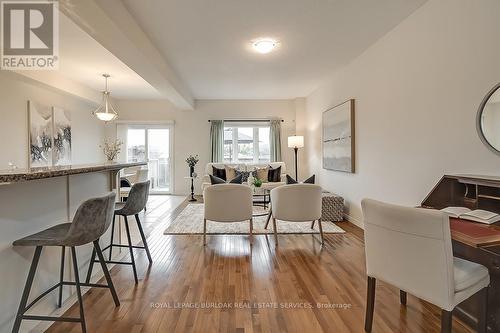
x=105, y=112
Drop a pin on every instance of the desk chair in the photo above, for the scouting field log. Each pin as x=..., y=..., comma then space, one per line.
x=410, y=248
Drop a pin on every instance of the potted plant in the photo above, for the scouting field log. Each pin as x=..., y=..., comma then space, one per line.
x=257, y=182
x=192, y=161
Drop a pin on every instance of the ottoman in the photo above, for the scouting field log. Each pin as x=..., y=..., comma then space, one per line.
x=332, y=207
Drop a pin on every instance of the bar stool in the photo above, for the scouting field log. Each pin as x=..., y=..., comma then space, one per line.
x=91, y=221
x=136, y=202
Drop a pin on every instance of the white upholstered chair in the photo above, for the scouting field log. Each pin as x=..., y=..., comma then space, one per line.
x=227, y=203
x=296, y=203
x=410, y=248
x=140, y=176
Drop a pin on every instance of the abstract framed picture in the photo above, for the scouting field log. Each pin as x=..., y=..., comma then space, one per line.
x=40, y=135
x=61, y=137
x=338, y=137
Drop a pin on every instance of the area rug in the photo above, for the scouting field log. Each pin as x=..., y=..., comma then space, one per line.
x=190, y=221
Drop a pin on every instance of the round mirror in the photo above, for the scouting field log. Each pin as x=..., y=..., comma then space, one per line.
x=488, y=119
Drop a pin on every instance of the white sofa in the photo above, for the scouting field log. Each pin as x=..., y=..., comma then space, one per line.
x=245, y=167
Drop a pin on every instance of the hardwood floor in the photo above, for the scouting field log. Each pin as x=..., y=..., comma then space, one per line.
x=248, y=288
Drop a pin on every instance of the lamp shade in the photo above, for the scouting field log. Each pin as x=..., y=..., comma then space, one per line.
x=105, y=112
x=296, y=141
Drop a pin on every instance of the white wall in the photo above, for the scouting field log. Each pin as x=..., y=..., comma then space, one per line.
x=192, y=129
x=15, y=91
x=417, y=91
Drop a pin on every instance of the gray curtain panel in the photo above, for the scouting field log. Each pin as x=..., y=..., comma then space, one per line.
x=217, y=141
x=275, y=140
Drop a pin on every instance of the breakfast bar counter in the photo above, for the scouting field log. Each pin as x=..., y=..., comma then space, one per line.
x=32, y=200
x=21, y=175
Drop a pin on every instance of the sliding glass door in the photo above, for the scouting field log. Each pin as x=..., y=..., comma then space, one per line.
x=152, y=144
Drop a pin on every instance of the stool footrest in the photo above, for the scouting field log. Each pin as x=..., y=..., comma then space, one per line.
x=83, y=284
x=116, y=262
x=64, y=283
x=122, y=245
x=47, y=318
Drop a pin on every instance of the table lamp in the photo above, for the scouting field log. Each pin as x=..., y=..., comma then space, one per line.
x=296, y=142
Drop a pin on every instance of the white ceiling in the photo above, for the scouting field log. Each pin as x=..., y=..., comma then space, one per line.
x=84, y=60
x=206, y=42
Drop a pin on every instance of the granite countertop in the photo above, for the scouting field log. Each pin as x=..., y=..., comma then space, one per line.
x=22, y=175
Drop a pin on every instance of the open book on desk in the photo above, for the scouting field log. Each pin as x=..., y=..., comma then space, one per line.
x=477, y=215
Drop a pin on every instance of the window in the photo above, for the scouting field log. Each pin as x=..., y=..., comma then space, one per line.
x=151, y=144
x=136, y=145
x=246, y=143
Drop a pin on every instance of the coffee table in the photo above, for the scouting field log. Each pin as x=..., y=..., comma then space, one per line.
x=261, y=199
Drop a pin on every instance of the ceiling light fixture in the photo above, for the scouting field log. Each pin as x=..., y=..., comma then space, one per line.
x=264, y=45
x=105, y=112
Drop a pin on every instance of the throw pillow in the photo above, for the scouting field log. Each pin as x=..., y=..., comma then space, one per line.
x=310, y=180
x=230, y=172
x=237, y=179
x=220, y=173
x=274, y=175
x=290, y=180
x=245, y=175
x=216, y=180
x=261, y=173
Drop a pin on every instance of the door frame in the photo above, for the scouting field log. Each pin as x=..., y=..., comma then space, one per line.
x=170, y=124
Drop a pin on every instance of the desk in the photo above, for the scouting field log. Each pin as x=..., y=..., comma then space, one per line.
x=475, y=234
x=473, y=241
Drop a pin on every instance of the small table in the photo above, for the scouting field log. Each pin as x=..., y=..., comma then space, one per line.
x=265, y=196
x=193, y=199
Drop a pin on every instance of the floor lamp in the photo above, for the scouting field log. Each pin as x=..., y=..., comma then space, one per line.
x=296, y=142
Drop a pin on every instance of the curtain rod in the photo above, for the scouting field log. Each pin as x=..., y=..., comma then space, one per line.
x=248, y=120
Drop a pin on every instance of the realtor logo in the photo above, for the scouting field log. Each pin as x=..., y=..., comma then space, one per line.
x=30, y=35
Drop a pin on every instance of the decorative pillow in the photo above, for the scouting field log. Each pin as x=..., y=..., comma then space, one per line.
x=230, y=172
x=261, y=173
x=290, y=180
x=216, y=180
x=310, y=180
x=220, y=173
x=274, y=175
x=244, y=175
x=237, y=179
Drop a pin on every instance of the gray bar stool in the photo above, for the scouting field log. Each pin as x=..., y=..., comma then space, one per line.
x=91, y=221
x=136, y=202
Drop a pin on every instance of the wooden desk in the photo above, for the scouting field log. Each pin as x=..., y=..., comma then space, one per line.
x=473, y=241
x=475, y=234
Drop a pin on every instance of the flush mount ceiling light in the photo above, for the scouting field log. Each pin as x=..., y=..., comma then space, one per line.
x=264, y=45
x=105, y=112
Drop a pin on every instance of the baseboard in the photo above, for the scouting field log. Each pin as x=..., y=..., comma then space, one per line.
x=354, y=221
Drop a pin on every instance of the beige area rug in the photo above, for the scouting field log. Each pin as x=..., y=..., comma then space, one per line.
x=190, y=221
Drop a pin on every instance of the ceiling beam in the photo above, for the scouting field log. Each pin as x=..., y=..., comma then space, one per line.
x=111, y=25
x=57, y=82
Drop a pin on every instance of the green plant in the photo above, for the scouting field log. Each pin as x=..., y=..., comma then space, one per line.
x=257, y=182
